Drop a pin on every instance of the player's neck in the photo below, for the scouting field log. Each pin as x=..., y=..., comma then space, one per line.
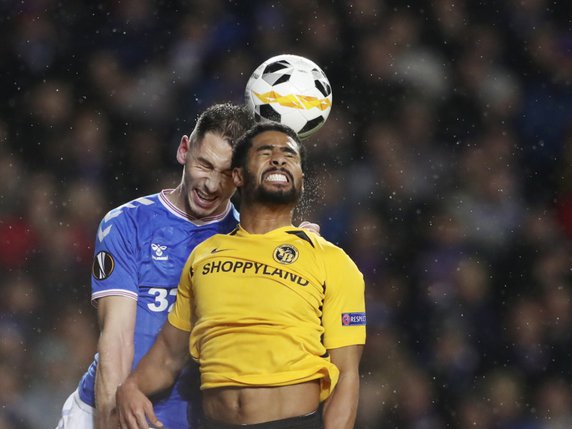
x=177, y=198
x=260, y=219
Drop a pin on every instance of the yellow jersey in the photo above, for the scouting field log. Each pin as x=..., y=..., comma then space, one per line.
x=263, y=309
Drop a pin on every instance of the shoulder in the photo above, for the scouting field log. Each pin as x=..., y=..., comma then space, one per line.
x=139, y=205
x=129, y=219
x=320, y=246
x=335, y=256
x=327, y=246
x=138, y=208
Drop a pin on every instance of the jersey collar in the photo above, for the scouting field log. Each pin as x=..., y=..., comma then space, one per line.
x=240, y=231
x=184, y=215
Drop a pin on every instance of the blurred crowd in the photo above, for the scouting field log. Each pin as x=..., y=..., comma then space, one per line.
x=444, y=170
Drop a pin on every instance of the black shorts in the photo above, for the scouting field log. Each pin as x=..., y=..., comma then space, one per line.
x=309, y=421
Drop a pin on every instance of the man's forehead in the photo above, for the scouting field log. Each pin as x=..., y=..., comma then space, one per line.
x=212, y=141
x=274, y=138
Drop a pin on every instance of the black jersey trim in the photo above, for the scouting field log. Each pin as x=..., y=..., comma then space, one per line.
x=302, y=235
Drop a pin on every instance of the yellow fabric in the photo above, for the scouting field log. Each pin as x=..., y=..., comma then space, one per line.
x=263, y=308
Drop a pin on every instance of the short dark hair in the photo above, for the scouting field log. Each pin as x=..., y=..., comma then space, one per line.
x=245, y=142
x=226, y=120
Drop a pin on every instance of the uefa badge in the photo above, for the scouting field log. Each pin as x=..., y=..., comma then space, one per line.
x=354, y=319
x=285, y=254
x=103, y=264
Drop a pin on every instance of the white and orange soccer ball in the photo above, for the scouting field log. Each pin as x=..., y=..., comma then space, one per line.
x=292, y=90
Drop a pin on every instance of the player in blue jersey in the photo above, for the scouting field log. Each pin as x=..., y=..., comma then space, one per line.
x=140, y=250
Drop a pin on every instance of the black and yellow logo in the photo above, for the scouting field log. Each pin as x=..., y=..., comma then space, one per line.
x=285, y=254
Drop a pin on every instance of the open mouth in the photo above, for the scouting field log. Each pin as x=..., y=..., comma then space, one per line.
x=277, y=176
x=204, y=199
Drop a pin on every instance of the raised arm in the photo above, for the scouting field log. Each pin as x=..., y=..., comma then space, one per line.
x=340, y=409
x=115, y=347
x=156, y=371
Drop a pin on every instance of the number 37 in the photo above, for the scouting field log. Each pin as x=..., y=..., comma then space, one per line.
x=161, y=302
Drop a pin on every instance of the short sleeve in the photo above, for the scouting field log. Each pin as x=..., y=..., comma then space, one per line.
x=115, y=260
x=343, y=317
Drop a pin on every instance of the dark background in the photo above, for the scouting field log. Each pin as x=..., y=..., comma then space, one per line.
x=444, y=170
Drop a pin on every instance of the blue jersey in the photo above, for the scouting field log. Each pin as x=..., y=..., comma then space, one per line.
x=140, y=250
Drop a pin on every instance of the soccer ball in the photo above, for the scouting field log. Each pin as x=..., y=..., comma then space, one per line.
x=291, y=90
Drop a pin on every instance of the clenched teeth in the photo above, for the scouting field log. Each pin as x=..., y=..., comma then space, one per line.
x=276, y=177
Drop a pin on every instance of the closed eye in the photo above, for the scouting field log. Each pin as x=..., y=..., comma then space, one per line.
x=203, y=165
x=267, y=150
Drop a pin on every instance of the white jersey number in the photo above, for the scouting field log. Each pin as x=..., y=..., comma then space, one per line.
x=161, y=303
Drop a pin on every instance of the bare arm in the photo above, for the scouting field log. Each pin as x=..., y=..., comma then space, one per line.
x=340, y=409
x=156, y=371
x=115, y=347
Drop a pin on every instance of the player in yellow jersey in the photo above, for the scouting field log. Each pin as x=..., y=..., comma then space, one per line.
x=274, y=314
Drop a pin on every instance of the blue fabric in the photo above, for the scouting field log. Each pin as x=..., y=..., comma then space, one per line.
x=140, y=250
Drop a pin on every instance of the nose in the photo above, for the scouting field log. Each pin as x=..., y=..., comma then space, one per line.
x=213, y=182
x=278, y=159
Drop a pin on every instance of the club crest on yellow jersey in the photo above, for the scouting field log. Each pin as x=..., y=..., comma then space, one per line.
x=285, y=254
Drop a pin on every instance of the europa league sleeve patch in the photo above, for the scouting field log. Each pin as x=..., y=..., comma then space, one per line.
x=353, y=319
x=103, y=265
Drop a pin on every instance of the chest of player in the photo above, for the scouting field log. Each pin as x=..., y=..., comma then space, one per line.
x=164, y=251
x=265, y=278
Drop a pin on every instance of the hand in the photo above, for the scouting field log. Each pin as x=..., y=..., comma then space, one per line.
x=134, y=408
x=311, y=227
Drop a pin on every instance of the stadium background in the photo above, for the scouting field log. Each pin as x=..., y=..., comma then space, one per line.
x=444, y=170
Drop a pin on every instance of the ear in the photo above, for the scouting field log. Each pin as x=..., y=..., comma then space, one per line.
x=183, y=150
x=237, y=177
